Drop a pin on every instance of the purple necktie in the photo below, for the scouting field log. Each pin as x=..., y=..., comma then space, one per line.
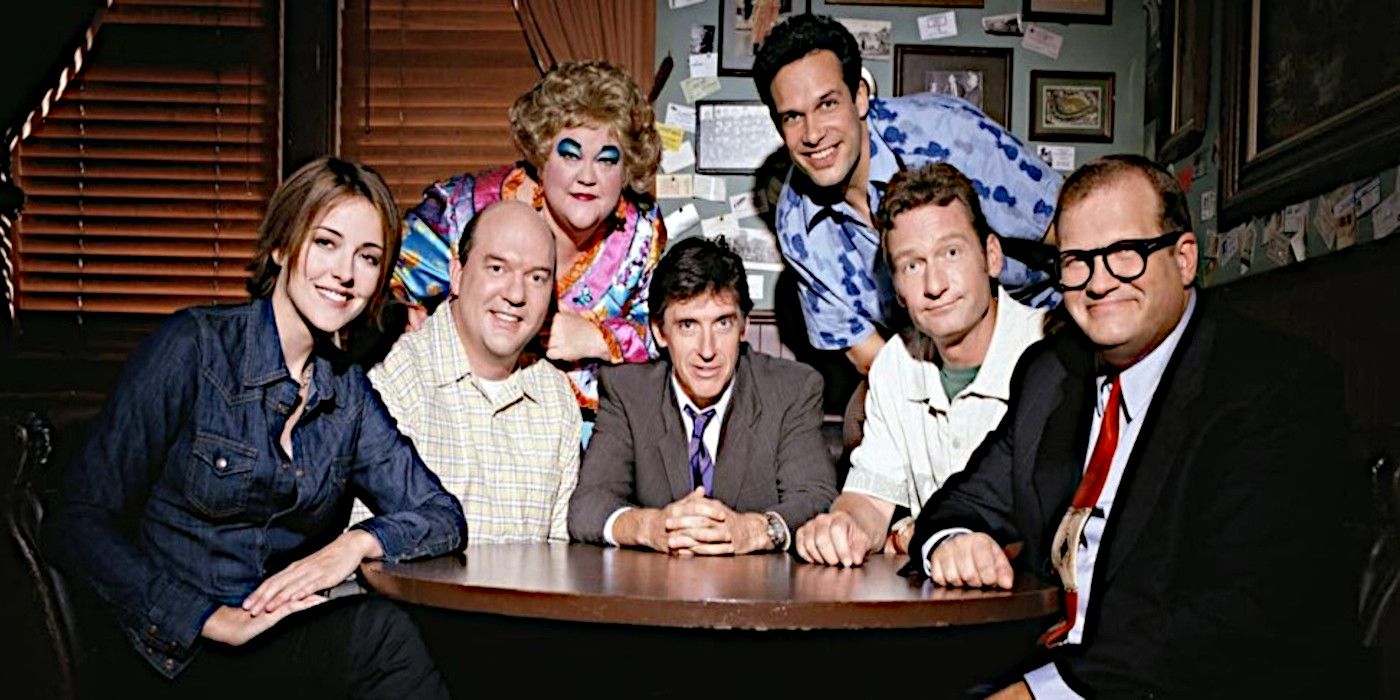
x=702, y=469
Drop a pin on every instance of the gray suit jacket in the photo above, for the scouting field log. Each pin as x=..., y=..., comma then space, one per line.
x=771, y=455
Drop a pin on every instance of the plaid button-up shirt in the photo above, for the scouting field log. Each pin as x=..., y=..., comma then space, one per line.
x=510, y=453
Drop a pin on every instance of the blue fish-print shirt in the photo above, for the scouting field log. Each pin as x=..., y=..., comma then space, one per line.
x=183, y=499
x=843, y=281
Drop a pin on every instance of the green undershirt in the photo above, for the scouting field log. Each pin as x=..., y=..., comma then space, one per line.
x=955, y=380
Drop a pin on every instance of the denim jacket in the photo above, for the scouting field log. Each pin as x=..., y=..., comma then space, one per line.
x=183, y=499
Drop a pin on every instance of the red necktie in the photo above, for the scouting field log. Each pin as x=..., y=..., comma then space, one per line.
x=1071, y=528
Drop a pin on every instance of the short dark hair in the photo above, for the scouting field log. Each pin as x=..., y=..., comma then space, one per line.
x=464, y=244
x=795, y=38
x=1175, y=213
x=934, y=184
x=695, y=266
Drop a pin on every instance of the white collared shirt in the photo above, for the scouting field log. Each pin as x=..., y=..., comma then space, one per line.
x=1139, y=384
x=710, y=437
x=916, y=436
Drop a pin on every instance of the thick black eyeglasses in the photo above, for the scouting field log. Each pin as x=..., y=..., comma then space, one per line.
x=1125, y=260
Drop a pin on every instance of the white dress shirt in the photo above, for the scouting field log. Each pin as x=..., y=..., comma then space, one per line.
x=916, y=436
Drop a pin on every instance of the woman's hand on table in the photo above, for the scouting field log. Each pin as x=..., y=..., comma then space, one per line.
x=323, y=569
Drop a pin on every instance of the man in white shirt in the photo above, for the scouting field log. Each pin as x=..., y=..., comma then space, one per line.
x=713, y=449
x=934, y=399
x=1178, y=468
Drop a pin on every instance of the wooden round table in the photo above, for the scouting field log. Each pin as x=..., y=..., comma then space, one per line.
x=633, y=614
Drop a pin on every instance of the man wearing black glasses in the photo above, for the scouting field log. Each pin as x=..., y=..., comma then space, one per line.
x=1178, y=469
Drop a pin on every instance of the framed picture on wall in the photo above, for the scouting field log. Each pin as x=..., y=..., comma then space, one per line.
x=910, y=3
x=1184, y=73
x=1309, y=99
x=1071, y=106
x=978, y=74
x=744, y=24
x=1068, y=11
x=733, y=137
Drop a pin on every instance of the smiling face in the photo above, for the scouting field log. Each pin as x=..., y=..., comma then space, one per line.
x=941, y=274
x=336, y=271
x=582, y=180
x=504, y=288
x=821, y=122
x=702, y=334
x=1126, y=320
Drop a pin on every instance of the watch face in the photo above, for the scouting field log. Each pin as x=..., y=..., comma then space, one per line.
x=777, y=534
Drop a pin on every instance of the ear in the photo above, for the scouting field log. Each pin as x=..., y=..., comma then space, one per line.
x=995, y=259
x=862, y=98
x=1186, y=257
x=279, y=256
x=658, y=334
x=454, y=275
x=744, y=328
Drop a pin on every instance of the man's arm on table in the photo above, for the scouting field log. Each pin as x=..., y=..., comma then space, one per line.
x=854, y=528
x=977, y=504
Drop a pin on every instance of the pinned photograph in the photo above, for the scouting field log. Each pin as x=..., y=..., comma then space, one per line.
x=758, y=248
x=743, y=26
x=702, y=38
x=1003, y=25
x=873, y=37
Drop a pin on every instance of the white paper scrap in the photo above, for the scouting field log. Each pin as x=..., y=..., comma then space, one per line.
x=674, y=187
x=1295, y=217
x=1385, y=218
x=680, y=115
x=704, y=65
x=1368, y=195
x=722, y=225
x=1208, y=206
x=681, y=220
x=1057, y=157
x=746, y=204
x=709, y=188
x=755, y=287
x=939, y=25
x=1299, y=243
x=1042, y=41
x=699, y=88
x=684, y=157
x=678, y=4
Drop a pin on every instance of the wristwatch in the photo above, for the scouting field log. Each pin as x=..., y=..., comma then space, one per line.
x=777, y=532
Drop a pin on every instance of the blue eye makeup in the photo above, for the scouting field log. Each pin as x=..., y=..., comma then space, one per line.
x=610, y=154
x=569, y=148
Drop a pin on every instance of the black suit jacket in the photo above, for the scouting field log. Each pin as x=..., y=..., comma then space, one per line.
x=1224, y=565
x=771, y=456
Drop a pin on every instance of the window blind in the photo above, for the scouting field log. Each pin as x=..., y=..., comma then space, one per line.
x=426, y=85
x=147, y=181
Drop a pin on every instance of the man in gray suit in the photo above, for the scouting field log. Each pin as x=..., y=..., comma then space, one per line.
x=712, y=449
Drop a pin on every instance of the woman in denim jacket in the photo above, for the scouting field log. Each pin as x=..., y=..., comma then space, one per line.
x=209, y=506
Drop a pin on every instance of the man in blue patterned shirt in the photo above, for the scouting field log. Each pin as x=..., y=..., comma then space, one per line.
x=846, y=146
